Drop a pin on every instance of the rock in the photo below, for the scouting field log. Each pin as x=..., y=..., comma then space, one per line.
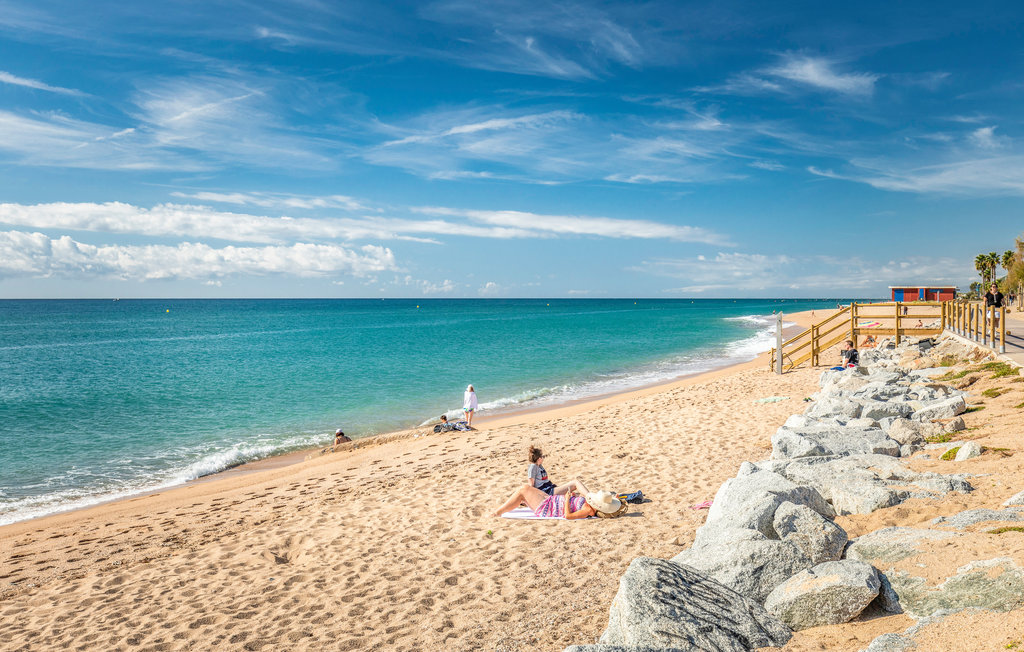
x=875, y=409
x=833, y=407
x=744, y=560
x=891, y=544
x=906, y=431
x=828, y=594
x=822, y=440
x=750, y=500
x=819, y=538
x=993, y=584
x=890, y=643
x=954, y=425
x=975, y=516
x=664, y=605
x=1016, y=499
x=620, y=648
x=860, y=484
x=887, y=600
x=945, y=409
x=967, y=451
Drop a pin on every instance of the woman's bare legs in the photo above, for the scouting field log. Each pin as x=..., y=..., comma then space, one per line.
x=532, y=496
x=569, y=487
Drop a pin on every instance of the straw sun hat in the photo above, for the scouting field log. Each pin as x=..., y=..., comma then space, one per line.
x=606, y=504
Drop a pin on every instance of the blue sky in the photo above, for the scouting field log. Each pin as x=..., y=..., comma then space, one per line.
x=505, y=149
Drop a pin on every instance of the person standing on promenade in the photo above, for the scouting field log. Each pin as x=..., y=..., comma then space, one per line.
x=993, y=301
x=469, y=405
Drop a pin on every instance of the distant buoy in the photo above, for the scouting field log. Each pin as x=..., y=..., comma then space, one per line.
x=168, y=310
x=549, y=304
x=417, y=306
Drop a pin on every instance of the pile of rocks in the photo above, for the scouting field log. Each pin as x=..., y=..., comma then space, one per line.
x=770, y=558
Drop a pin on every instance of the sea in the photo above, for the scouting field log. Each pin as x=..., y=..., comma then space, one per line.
x=105, y=399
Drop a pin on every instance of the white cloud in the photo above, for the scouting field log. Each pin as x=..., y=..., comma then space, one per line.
x=993, y=176
x=446, y=286
x=576, y=225
x=985, y=138
x=820, y=73
x=8, y=78
x=728, y=273
x=201, y=222
x=276, y=200
x=489, y=289
x=37, y=255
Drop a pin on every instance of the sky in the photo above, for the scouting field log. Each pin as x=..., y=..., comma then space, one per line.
x=309, y=148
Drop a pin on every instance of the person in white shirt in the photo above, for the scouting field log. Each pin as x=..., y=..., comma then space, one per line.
x=469, y=405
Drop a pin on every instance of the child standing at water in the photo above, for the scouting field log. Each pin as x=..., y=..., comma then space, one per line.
x=469, y=405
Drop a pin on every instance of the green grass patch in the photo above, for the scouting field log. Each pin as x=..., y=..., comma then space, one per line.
x=1019, y=406
x=1018, y=379
x=956, y=375
x=950, y=454
x=939, y=439
x=1005, y=452
x=948, y=361
x=1000, y=369
x=1008, y=528
x=993, y=392
x=974, y=408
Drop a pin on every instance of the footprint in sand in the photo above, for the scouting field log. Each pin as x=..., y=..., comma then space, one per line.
x=290, y=552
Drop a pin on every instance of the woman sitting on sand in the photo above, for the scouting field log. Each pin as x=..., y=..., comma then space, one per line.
x=569, y=506
x=537, y=475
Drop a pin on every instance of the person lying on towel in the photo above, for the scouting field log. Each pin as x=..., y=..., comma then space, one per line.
x=569, y=506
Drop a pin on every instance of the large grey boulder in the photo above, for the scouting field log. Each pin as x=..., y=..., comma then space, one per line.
x=944, y=409
x=822, y=440
x=744, y=560
x=830, y=593
x=833, y=407
x=892, y=544
x=860, y=484
x=880, y=409
x=750, y=500
x=967, y=451
x=993, y=584
x=819, y=538
x=600, y=647
x=664, y=605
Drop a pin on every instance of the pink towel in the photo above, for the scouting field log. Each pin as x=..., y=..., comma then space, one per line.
x=703, y=505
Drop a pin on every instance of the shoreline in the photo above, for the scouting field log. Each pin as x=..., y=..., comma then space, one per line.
x=512, y=417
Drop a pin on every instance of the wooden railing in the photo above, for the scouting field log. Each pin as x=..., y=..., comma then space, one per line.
x=972, y=320
x=870, y=320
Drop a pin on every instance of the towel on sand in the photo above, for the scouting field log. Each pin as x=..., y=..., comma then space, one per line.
x=772, y=399
x=527, y=513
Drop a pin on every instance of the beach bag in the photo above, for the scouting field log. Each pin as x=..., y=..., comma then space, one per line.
x=636, y=497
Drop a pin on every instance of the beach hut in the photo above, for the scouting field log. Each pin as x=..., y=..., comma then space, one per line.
x=923, y=292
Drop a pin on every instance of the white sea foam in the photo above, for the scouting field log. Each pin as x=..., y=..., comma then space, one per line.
x=743, y=350
x=62, y=500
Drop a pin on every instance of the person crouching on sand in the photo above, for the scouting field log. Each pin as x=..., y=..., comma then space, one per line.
x=569, y=506
x=469, y=405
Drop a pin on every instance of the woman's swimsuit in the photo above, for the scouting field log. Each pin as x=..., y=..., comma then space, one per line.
x=555, y=506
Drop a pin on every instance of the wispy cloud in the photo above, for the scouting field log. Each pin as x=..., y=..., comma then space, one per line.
x=187, y=221
x=37, y=255
x=727, y=273
x=985, y=138
x=582, y=226
x=275, y=200
x=821, y=73
x=795, y=72
x=8, y=78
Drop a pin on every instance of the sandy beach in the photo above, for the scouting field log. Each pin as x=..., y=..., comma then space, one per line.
x=391, y=546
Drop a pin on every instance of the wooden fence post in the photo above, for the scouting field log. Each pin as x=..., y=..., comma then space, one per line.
x=897, y=329
x=1002, y=329
x=778, y=344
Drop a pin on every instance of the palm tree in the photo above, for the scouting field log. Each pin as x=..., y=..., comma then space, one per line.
x=1009, y=257
x=981, y=264
x=993, y=264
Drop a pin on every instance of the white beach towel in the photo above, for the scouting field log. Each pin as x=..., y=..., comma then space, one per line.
x=524, y=512
x=527, y=513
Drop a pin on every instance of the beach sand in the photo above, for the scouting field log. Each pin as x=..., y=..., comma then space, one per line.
x=391, y=546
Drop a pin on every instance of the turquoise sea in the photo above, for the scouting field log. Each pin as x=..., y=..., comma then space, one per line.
x=102, y=399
